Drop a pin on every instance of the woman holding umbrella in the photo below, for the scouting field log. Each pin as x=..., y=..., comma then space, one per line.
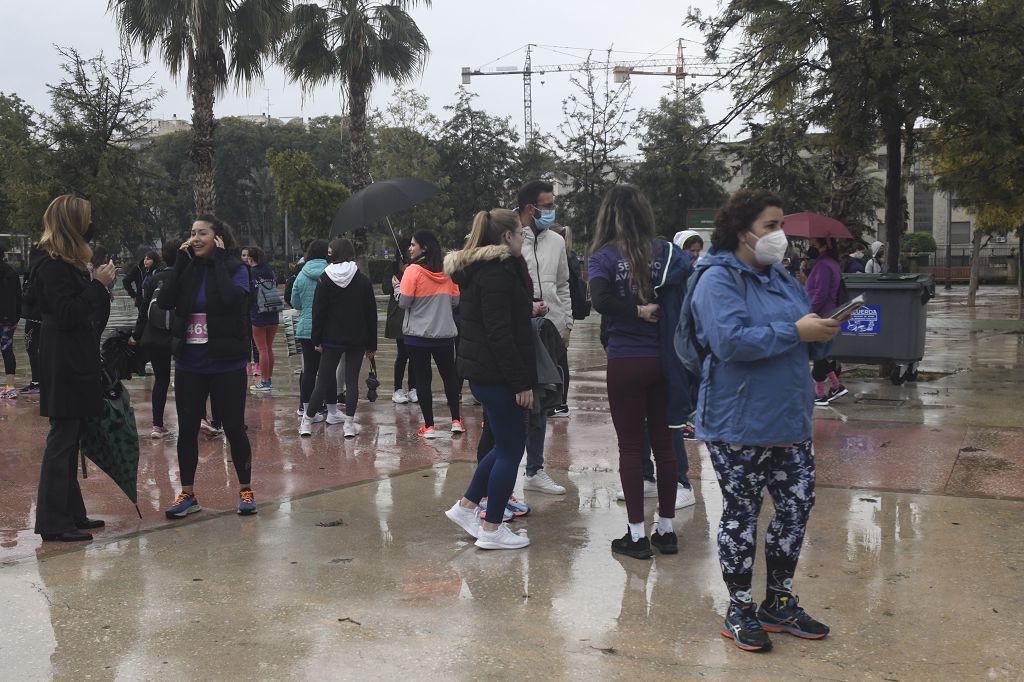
x=70, y=389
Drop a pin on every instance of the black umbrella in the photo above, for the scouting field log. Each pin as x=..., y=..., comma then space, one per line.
x=378, y=200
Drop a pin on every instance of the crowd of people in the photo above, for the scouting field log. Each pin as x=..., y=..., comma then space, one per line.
x=498, y=313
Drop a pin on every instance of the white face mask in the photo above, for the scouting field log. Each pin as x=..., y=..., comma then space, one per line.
x=771, y=248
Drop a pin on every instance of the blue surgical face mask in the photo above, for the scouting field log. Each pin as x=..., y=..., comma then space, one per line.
x=545, y=221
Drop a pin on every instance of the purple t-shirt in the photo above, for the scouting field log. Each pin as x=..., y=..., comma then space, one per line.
x=196, y=357
x=632, y=338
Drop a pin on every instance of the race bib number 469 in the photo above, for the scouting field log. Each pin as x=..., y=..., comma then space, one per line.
x=196, y=332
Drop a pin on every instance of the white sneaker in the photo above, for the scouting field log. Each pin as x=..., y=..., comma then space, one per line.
x=502, y=538
x=413, y=397
x=336, y=418
x=650, y=490
x=399, y=397
x=467, y=519
x=305, y=426
x=542, y=483
x=684, y=497
x=351, y=428
x=318, y=417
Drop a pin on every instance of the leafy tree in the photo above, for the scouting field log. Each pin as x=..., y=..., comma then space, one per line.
x=856, y=66
x=99, y=110
x=197, y=37
x=977, y=153
x=356, y=43
x=24, y=161
x=598, y=122
x=677, y=171
x=478, y=154
x=303, y=194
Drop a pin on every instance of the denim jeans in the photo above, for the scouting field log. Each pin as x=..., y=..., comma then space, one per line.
x=495, y=475
x=535, y=449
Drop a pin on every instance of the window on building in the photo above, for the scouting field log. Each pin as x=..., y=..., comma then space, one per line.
x=960, y=232
x=924, y=208
x=883, y=162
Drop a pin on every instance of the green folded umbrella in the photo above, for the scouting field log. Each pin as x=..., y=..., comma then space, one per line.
x=111, y=441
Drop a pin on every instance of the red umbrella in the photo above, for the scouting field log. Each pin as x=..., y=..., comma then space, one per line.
x=809, y=224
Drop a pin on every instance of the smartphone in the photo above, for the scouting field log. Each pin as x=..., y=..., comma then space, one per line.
x=845, y=310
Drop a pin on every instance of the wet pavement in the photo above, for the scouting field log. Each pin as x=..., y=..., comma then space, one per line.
x=913, y=555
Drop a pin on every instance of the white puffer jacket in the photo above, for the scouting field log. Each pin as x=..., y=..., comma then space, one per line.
x=549, y=268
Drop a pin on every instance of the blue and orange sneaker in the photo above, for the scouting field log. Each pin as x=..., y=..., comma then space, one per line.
x=505, y=518
x=184, y=504
x=743, y=628
x=784, y=614
x=517, y=508
x=246, y=502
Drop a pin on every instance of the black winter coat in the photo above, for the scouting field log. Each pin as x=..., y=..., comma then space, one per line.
x=148, y=336
x=227, y=305
x=496, y=340
x=10, y=295
x=344, y=316
x=73, y=309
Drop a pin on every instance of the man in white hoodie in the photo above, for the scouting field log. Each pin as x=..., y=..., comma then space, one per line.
x=545, y=255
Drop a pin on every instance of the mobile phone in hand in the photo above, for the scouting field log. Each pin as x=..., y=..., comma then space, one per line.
x=844, y=311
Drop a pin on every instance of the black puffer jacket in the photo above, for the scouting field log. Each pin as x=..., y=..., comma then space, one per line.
x=496, y=341
x=227, y=305
x=10, y=295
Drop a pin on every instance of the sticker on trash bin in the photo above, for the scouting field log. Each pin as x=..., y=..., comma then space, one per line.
x=865, y=321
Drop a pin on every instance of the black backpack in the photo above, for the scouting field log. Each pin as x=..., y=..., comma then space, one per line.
x=581, y=306
x=157, y=317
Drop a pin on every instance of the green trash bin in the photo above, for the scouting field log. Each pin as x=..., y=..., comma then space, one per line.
x=891, y=326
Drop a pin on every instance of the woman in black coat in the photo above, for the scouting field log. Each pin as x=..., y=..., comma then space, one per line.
x=496, y=354
x=71, y=306
x=344, y=325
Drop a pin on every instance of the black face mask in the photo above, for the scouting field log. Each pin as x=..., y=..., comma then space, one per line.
x=813, y=252
x=90, y=232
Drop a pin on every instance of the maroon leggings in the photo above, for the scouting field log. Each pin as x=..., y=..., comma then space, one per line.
x=638, y=398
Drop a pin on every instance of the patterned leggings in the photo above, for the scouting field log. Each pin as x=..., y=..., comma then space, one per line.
x=743, y=472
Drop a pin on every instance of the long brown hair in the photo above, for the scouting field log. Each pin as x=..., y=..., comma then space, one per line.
x=626, y=221
x=490, y=226
x=65, y=223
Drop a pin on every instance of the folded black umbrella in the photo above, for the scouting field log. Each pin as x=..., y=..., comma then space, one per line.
x=111, y=440
x=378, y=200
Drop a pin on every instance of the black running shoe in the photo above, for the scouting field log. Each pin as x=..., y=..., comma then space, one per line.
x=666, y=544
x=837, y=392
x=638, y=549
x=743, y=628
x=785, y=615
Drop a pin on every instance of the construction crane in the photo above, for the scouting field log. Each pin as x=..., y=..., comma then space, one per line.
x=677, y=68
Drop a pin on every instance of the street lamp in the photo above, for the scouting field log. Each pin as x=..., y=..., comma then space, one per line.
x=949, y=239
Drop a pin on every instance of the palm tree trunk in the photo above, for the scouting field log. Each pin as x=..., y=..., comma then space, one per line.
x=358, y=94
x=202, y=150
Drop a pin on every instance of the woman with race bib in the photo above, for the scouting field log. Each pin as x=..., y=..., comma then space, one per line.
x=209, y=293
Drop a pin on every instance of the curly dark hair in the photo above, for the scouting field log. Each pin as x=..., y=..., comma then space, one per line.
x=738, y=215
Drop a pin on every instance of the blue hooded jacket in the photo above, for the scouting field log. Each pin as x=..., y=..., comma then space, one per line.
x=302, y=296
x=670, y=272
x=756, y=387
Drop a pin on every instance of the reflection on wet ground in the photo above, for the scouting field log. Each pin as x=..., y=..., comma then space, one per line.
x=910, y=556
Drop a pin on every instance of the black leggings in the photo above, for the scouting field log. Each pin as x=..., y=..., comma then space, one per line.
x=326, y=388
x=310, y=367
x=822, y=368
x=161, y=360
x=7, y=348
x=227, y=400
x=444, y=358
x=400, y=363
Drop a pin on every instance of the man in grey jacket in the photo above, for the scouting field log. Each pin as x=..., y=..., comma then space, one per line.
x=544, y=252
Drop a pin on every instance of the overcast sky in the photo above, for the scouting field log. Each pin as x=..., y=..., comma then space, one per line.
x=461, y=33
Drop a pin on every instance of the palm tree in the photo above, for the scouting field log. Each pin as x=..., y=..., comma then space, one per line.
x=198, y=35
x=356, y=43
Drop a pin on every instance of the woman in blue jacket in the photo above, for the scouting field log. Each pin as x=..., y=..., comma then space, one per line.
x=302, y=300
x=754, y=409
